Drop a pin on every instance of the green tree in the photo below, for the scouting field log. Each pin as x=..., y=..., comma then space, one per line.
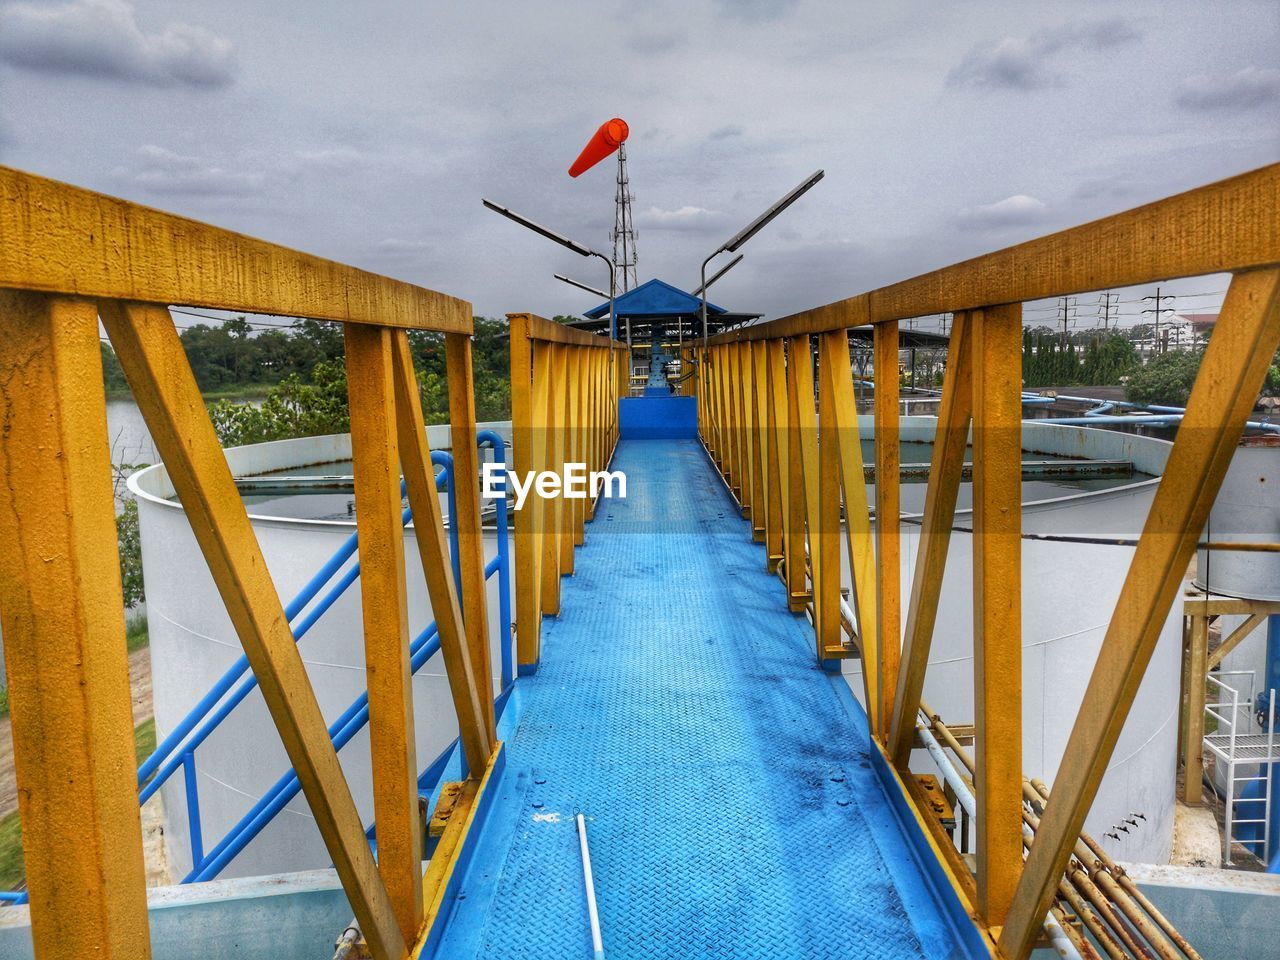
x=1165, y=380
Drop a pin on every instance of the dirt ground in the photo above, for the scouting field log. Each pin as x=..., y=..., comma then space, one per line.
x=152, y=813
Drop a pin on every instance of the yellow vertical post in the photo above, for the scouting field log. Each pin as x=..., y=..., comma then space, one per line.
x=805, y=427
x=578, y=430
x=997, y=604
x=950, y=442
x=64, y=647
x=824, y=543
x=565, y=401
x=528, y=440
x=753, y=354
x=375, y=460
x=771, y=376
x=160, y=376
x=794, y=546
x=733, y=422
x=1231, y=375
x=433, y=550
x=1197, y=668
x=838, y=372
x=466, y=482
x=888, y=635
x=552, y=507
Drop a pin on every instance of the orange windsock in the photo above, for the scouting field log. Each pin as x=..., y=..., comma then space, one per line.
x=607, y=139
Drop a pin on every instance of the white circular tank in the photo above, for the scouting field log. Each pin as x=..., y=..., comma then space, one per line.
x=1247, y=510
x=193, y=644
x=1069, y=591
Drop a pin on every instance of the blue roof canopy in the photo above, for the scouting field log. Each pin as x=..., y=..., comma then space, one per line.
x=655, y=298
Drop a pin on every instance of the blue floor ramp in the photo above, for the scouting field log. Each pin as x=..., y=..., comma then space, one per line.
x=733, y=804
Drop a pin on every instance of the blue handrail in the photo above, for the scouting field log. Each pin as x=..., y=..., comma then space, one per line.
x=178, y=748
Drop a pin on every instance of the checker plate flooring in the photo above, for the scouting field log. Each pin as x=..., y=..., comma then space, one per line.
x=731, y=805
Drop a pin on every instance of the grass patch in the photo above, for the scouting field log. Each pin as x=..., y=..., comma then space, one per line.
x=144, y=739
x=13, y=871
x=135, y=633
x=4, y=702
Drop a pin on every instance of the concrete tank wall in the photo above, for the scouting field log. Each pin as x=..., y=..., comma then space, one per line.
x=193, y=643
x=1069, y=591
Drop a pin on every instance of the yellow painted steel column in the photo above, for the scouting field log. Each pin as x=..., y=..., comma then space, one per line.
x=1231, y=375
x=1197, y=668
x=861, y=543
x=552, y=507
x=997, y=604
x=393, y=751
x=824, y=543
x=64, y=646
x=578, y=429
x=753, y=354
x=433, y=551
x=772, y=378
x=888, y=507
x=527, y=442
x=466, y=502
x=794, y=545
x=805, y=426
x=160, y=376
x=950, y=442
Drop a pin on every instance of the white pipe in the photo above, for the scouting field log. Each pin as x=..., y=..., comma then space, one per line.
x=592, y=912
x=1057, y=936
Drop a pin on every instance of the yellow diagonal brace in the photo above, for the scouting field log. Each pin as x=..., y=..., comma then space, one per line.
x=160, y=376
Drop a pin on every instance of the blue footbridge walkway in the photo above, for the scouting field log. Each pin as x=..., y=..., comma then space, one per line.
x=734, y=804
x=673, y=765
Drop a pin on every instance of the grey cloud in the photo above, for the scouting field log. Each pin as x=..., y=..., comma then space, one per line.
x=652, y=42
x=1242, y=90
x=103, y=38
x=681, y=218
x=162, y=171
x=726, y=132
x=1027, y=63
x=755, y=9
x=1016, y=211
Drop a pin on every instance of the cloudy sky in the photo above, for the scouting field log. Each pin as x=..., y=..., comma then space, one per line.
x=368, y=132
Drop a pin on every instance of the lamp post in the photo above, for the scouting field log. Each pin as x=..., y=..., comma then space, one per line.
x=580, y=285
x=578, y=248
x=746, y=233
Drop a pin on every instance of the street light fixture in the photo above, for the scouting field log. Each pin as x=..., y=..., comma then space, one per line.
x=580, y=285
x=746, y=233
x=579, y=249
x=719, y=273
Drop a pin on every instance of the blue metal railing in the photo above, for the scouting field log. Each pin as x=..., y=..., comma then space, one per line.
x=177, y=751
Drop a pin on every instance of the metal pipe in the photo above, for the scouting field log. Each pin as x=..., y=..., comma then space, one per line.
x=592, y=912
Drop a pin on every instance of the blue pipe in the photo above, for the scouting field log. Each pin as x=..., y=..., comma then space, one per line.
x=238, y=668
x=352, y=720
x=504, y=569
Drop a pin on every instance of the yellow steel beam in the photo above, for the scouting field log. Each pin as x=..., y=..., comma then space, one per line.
x=1231, y=374
x=862, y=558
x=824, y=542
x=552, y=508
x=794, y=547
x=63, y=239
x=805, y=427
x=466, y=502
x=433, y=550
x=1226, y=226
x=950, y=441
x=752, y=394
x=888, y=634
x=63, y=622
x=166, y=392
x=528, y=443
x=375, y=467
x=1196, y=670
x=997, y=604
x=773, y=441
x=1251, y=623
